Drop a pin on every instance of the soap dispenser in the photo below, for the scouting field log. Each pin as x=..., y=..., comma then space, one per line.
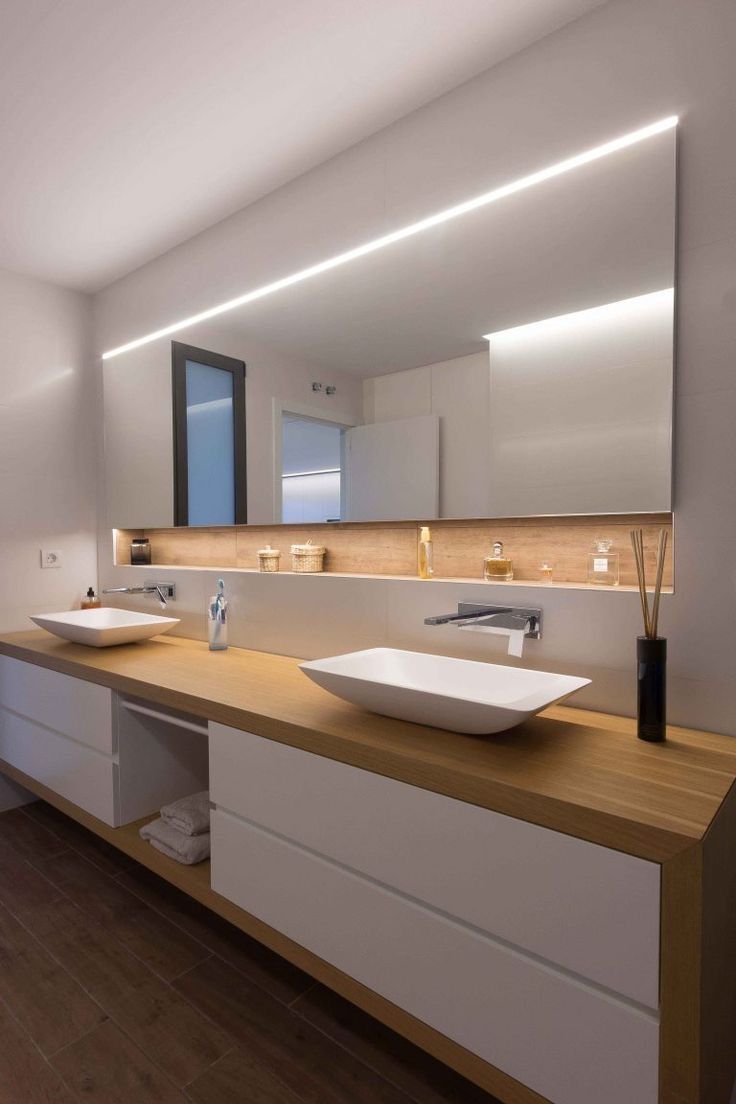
x=90, y=600
x=217, y=619
x=498, y=568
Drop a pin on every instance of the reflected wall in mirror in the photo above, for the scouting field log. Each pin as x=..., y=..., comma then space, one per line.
x=515, y=360
x=312, y=463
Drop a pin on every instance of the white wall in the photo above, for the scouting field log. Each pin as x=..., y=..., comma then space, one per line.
x=49, y=430
x=627, y=63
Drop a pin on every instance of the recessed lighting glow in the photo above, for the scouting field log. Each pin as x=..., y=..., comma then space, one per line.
x=663, y=298
x=447, y=215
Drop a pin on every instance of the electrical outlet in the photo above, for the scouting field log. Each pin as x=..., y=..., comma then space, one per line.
x=51, y=557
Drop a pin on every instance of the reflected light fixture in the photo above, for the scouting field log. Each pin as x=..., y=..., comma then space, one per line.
x=545, y=327
x=520, y=185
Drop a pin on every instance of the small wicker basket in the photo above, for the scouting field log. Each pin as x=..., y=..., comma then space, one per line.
x=269, y=558
x=307, y=558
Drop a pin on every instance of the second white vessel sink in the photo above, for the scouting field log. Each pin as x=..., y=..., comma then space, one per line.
x=459, y=694
x=101, y=628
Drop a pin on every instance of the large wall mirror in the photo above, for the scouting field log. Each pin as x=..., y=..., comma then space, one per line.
x=514, y=360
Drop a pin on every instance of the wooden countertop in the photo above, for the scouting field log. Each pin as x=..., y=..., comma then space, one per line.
x=574, y=771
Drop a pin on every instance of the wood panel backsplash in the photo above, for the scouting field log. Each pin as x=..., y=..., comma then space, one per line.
x=390, y=548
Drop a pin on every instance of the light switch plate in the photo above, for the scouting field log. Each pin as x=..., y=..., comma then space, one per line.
x=51, y=557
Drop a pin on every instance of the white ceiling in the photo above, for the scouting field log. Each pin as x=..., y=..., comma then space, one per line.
x=127, y=126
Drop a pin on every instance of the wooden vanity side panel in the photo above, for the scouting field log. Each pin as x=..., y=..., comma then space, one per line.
x=718, y=956
x=680, y=983
x=698, y=964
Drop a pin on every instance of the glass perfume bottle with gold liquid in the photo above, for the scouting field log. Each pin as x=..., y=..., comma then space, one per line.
x=498, y=568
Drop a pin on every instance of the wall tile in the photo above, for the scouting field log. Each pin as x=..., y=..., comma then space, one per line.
x=306, y=616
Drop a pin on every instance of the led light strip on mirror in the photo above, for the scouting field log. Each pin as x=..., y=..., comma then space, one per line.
x=524, y=182
x=623, y=309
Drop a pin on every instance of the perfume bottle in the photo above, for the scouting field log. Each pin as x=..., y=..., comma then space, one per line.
x=498, y=568
x=546, y=571
x=425, y=566
x=603, y=564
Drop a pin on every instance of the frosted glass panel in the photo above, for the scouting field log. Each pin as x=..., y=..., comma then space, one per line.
x=210, y=445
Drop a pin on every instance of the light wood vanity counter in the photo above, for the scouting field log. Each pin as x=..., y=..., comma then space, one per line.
x=571, y=770
x=574, y=772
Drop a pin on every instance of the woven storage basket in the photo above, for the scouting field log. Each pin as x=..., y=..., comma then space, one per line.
x=269, y=559
x=307, y=558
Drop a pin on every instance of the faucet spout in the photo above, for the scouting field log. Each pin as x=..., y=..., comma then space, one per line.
x=516, y=624
x=162, y=590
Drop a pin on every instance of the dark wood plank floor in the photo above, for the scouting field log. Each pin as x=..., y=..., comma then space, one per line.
x=115, y=988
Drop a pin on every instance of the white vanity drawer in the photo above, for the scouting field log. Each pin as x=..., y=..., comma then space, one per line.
x=568, y=1041
x=82, y=775
x=68, y=705
x=590, y=909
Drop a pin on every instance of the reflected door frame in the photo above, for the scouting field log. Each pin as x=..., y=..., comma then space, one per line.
x=314, y=414
x=180, y=354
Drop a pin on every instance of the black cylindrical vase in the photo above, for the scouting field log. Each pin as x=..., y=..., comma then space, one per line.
x=651, y=699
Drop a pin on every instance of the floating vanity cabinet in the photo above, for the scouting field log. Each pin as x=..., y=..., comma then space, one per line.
x=537, y=952
x=95, y=747
x=551, y=911
x=592, y=911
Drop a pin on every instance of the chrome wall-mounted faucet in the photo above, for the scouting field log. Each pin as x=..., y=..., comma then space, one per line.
x=163, y=590
x=517, y=623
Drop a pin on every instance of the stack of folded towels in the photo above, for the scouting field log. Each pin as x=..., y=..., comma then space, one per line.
x=183, y=830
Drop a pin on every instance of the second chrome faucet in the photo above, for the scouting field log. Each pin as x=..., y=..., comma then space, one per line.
x=517, y=623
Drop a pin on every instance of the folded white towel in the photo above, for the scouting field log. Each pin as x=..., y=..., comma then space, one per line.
x=166, y=839
x=190, y=815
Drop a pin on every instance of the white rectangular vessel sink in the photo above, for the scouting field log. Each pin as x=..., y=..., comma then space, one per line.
x=460, y=694
x=101, y=628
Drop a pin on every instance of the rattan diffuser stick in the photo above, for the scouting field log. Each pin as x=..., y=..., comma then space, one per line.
x=651, y=617
x=661, y=549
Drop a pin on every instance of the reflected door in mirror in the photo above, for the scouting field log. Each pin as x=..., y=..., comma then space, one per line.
x=209, y=437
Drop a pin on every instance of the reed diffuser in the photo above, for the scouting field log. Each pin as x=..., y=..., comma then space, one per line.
x=651, y=649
